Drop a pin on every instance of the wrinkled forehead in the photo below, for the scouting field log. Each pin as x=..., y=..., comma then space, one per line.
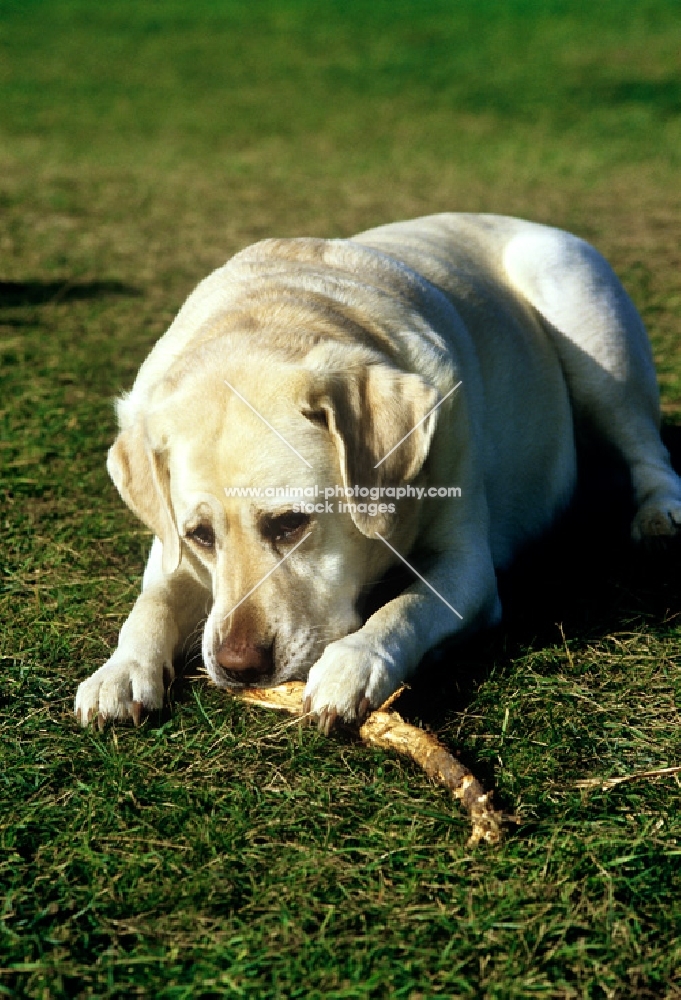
x=264, y=446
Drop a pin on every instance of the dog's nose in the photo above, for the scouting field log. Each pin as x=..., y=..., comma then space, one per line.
x=244, y=661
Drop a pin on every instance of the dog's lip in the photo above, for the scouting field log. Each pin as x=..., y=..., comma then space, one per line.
x=248, y=679
x=270, y=680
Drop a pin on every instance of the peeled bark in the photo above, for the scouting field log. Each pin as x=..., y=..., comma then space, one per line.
x=388, y=730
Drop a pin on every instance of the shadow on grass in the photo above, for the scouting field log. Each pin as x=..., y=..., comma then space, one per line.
x=35, y=293
x=586, y=579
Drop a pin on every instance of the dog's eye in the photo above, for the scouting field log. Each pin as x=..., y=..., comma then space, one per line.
x=284, y=527
x=317, y=417
x=203, y=535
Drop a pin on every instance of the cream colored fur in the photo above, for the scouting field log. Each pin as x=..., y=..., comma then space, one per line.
x=303, y=362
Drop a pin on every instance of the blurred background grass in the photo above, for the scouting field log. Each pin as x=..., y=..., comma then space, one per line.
x=215, y=852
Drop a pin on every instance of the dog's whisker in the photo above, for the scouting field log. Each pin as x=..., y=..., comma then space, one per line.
x=473, y=345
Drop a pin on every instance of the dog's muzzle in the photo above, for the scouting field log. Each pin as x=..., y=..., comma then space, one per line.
x=245, y=663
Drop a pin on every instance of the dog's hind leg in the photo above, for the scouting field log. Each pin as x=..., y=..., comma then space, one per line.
x=607, y=361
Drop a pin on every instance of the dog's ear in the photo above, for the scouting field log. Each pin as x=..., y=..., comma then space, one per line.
x=381, y=422
x=141, y=476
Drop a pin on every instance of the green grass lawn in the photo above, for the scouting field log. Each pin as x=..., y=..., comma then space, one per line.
x=219, y=850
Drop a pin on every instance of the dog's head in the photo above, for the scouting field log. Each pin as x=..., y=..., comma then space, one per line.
x=288, y=558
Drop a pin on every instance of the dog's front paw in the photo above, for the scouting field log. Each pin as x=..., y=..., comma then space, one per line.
x=350, y=678
x=657, y=522
x=122, y=689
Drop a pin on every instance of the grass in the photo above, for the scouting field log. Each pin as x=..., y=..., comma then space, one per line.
x=218, y=851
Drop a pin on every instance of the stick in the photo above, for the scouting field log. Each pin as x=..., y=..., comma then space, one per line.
x=607, y=783
x=388, y=730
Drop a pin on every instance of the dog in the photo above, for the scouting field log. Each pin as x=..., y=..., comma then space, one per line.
x=323, y=410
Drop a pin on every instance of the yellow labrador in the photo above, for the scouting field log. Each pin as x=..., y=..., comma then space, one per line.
x=322, y=409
